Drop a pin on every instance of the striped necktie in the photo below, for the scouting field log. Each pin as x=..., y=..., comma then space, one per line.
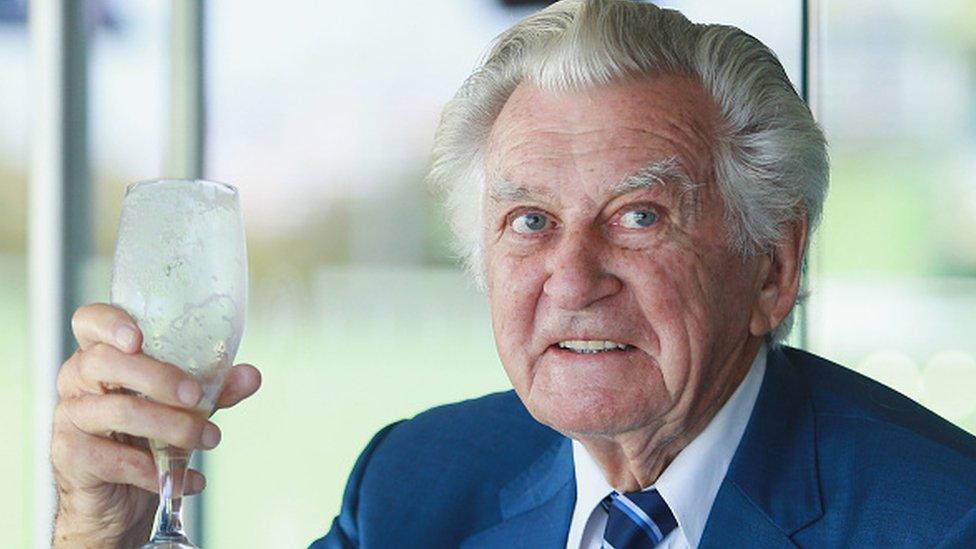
x=637, y=520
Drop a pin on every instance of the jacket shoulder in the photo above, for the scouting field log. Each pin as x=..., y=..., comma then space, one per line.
x=477, y=445
x=882, y=455
x=432, y=480
x=867, y=407
x=495, y=424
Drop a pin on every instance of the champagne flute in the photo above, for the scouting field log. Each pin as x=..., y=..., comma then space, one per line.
x=180, y=270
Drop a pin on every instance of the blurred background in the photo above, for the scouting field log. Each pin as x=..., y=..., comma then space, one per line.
x=322, y=113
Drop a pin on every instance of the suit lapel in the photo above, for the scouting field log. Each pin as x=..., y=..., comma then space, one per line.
x=772, y=489
x=736, y=522
x=537, y=506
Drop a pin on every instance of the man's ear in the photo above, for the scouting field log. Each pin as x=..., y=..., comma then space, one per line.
x=779, y=271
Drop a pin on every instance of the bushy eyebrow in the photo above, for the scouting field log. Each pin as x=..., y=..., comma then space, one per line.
x=657, y=173
x=504, y=190
x=666, y=174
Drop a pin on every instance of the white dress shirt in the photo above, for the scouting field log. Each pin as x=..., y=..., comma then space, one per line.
x=690, y=482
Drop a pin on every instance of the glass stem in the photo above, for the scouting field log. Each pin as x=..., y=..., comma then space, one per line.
x=171, y=464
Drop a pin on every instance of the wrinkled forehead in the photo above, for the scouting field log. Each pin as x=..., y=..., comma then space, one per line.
x=543, y=135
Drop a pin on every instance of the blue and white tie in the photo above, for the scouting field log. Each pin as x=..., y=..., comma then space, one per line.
x=637, y=520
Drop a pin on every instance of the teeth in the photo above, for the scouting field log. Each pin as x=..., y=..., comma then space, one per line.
x=588, y=346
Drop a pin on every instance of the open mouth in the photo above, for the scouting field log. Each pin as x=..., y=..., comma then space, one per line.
x=592, y=346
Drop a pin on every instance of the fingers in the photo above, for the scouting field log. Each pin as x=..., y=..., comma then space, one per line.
x=102, y=367
x=106, y=461
x=242, y=381
x=90, y=461
x=68, y=382
x=104, y=415
x=103, y=323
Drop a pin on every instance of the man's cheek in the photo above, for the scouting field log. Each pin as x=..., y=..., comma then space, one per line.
x=519, y=283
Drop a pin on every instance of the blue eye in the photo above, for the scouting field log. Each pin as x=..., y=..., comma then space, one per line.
x=530, y=223
x=638, y=219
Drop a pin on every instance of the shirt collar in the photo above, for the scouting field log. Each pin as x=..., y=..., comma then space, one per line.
x=691, y=481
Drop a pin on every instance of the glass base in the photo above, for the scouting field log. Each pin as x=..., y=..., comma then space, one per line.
x=177, y=543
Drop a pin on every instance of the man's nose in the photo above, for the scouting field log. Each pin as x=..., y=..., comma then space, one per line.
x=578, y=275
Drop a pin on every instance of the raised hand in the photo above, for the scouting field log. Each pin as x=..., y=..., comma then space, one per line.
x=105, y=475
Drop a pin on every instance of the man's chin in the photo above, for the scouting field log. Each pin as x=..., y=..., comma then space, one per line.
x=587, y=414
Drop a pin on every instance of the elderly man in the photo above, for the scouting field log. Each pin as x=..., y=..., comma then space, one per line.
x=636, y=193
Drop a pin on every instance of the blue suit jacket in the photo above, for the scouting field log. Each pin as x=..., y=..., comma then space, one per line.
x=829, y=459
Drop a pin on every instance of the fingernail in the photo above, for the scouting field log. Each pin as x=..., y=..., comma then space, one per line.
x=125, y=336
x=189, y=392
x=211, y=436
x=199, y=483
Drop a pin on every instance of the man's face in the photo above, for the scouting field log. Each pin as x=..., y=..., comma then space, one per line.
x=579, y=253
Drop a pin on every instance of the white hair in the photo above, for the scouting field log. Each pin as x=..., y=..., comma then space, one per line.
x=770, y=157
